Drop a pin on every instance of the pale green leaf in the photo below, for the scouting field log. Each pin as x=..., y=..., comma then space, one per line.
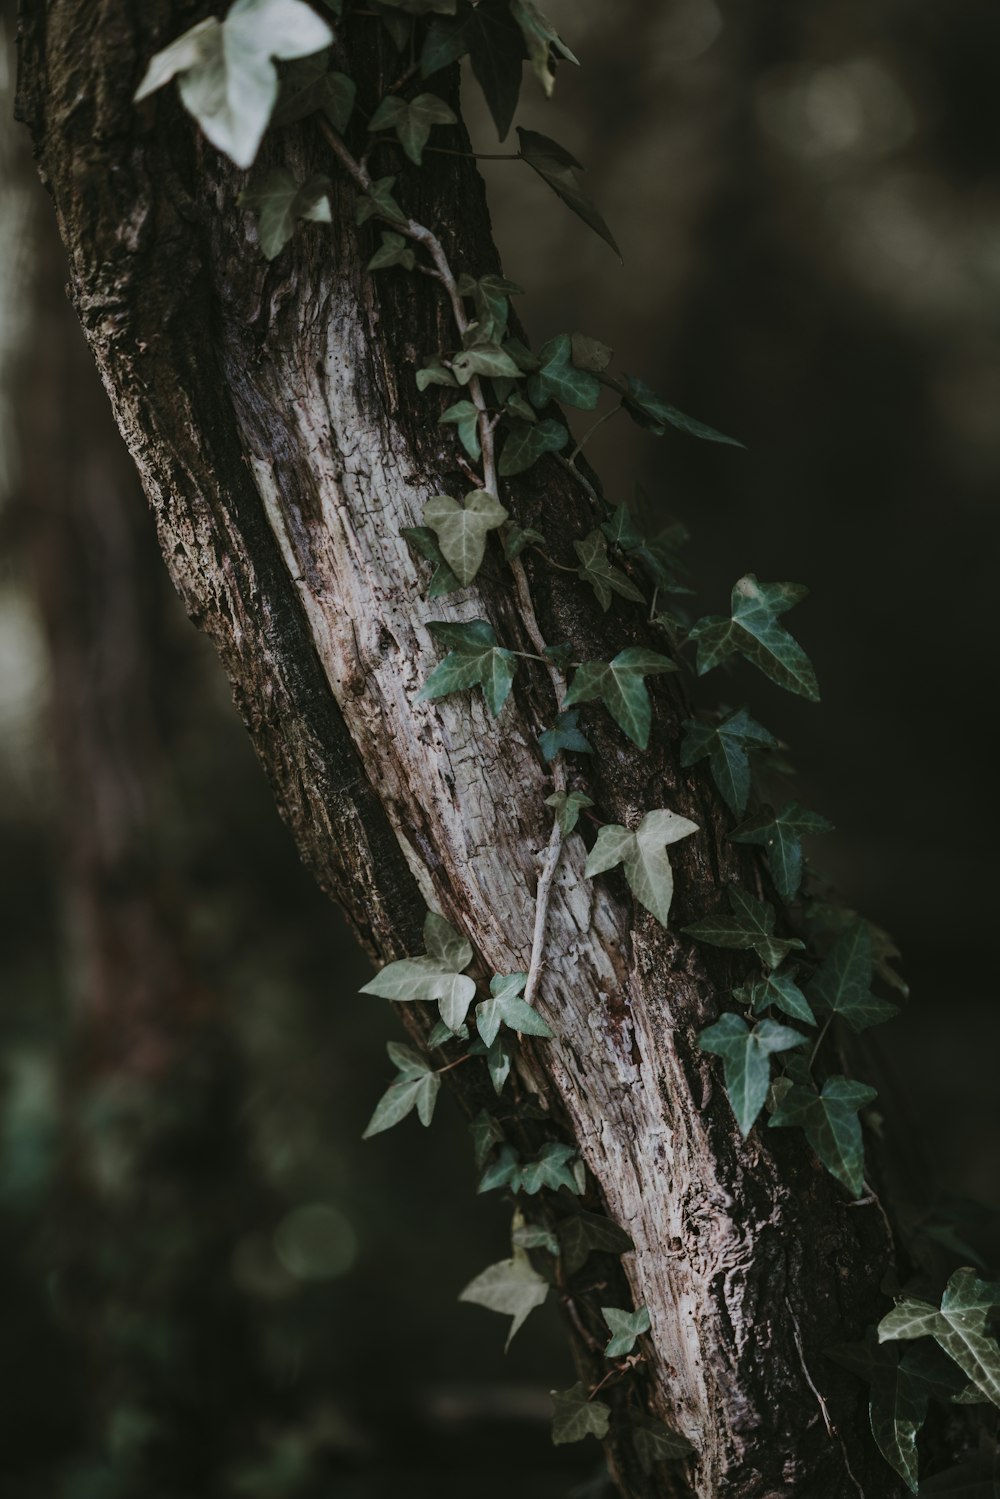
x=575, y=1416
x=625, y=1329
x=393, y=251
x=511, y=1287
x=462, y=530
x=644, y=857
x=568, y=808
x=746, y=1056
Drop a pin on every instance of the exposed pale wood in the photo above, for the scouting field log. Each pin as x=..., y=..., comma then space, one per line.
x=274, y=420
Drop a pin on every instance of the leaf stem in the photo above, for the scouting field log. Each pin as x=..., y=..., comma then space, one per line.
x=476, y=155
x=819, y=1040
x=591, y=431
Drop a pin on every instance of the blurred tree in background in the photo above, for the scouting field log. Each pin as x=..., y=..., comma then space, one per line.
x=202, y=1261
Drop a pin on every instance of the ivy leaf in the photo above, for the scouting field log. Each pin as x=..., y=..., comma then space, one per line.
x=777, y=990
x=393, y=251
x=519, y=537
x=486, y=1132
x=532, y=1237
x=584, y=1233
x=520, y=409
x=831, y=1125
x=446, y=41
x=412, y=120
x=435, y=374
x=462, y=530
x=498, y=1062
x=625, y=1328
x=437, y=975
x=565, y=736
x=496, y=49
x=526, y=443
x=575, y=1416
x=750, y=926
x=505, y=1007
x=726, y=746
x=899, y=1398
x=279, y=201
x=655, y=1442
x=489, y=294
x=559, y=379
x=423, y=541
x=568, y=807
x=505, y=1171
x=484, y=359
x=645, y=407
x=511, y=1287
x=539, y=38
x=558, y=168
x=550, y=1169
x=755, y=633
x=308, y=87
x=644, y=857
x=417, y=1088
x=475, y=660
x=466, y=418
x=746, y=1057
x=620, y=685
x=781, y=835
x=590, y=353
x=843, y=981
x=597, y=569
x=958, y=1326
x=378, y=202
x=227, y=77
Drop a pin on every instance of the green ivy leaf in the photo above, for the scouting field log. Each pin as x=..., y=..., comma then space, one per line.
x=576, y=1416
x=843, y=981
x=625, y=1328
x=489, y=294
x=226, y=72
x=442, y=1033
x=540, y=39
x=559, y=379
x=584, y=1233
x=517, y=538
x=526, y=444
x=496, y=48
x=498, y=1064
x=462, y=530
x=755, y=633
x=378, y=202
x=308, y=87
x=590, y=353
x=777, y=991
x=505, y=1007
x=958, y=1326
x=831, y=1125
x=746, y=1057
x=412, y=120
x=781, y=834
x=416, y=1087
x=466, y=418
x=750, y=926
x=484, y=359
x=476, y=659
x=504, y=1171
x=645, y=407
x=435, y=374
x=511, y=1287
x=568, y=808
x=437, y=975
x=565, y=736
x=726, y=746
x=644, y=857
x=393, y=251
x=423, y=541
x=620, y=685
x=486, y=1132
x=279, y=202
x=558, y=168
x=533, y=1237
x=597, y=569
x=550, y=1168
x=655, y=1442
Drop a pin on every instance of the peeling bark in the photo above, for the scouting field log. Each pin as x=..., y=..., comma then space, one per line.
x=273, y=417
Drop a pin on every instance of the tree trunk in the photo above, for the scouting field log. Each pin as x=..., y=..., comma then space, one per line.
x=273, y=416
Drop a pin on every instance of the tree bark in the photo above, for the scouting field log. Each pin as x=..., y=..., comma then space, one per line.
x=273, y=416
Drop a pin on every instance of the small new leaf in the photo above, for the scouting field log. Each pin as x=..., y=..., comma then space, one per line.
x=746, y=1057
x=755, y=633
x=575, y=1416
x=643, y=855
x=476, y=659
x=511, y=1287
x=751, y=925
x=831, y=1125
x=597, y=569
x=620, y=685
x=279, y=202
x=625, y=1328
x=777, y=991
x=393, y=251
x=506, y=1007
x=378, y=202
x=568, y=807
x=726, y=746
x=781, y=834
x=565, y=736
x=466, y=418
x=412, y=120
x=416, y=1087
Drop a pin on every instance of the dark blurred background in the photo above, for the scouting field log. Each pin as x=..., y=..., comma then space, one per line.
x=209, y=1284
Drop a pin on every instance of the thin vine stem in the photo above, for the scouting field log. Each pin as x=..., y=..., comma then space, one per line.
x=591, y=430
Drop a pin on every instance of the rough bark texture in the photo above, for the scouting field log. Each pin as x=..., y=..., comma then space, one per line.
x=282, y=444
